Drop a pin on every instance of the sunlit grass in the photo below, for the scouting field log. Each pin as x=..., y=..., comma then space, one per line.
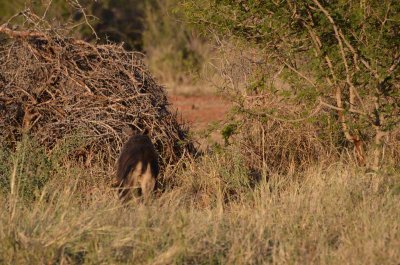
x=336, y=215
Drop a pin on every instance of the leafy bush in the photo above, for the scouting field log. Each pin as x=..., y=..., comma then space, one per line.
x=341, y=56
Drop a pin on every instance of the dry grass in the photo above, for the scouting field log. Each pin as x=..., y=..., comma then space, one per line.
x=335, y=215
x=300, y=207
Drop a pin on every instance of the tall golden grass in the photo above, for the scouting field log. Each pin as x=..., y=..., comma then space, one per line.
x=214, y=215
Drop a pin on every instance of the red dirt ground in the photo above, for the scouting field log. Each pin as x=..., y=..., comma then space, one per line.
x=199, y=111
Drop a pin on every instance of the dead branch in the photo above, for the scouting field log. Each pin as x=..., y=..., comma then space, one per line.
x=54, y=87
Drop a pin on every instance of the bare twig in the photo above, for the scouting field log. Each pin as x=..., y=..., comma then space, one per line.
x=76, y=88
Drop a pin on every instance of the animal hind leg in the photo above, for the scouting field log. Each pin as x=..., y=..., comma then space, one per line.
x=131, y=184
x=148, y=183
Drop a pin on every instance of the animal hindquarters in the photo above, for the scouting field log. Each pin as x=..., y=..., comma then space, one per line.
x=137, y=168
x=139, y=182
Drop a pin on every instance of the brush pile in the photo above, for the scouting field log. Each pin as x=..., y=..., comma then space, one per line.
x=54, y=87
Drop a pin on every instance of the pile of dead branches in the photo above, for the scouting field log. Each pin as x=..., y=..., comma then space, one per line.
x=53, y=87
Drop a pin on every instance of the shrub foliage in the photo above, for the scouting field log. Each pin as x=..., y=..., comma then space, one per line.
x=341, y=56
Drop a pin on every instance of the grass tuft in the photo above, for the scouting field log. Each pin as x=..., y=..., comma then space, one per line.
x=332, y=215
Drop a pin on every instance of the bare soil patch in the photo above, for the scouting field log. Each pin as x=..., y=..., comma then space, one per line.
x=200, y=110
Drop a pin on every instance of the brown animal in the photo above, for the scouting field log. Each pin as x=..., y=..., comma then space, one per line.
x=137, y=168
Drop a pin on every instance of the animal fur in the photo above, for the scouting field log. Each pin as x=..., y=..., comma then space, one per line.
x=137, y=168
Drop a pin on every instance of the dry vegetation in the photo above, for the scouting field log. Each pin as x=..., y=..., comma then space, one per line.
x=276, y=193
x=54, y=87
x=335, y=215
